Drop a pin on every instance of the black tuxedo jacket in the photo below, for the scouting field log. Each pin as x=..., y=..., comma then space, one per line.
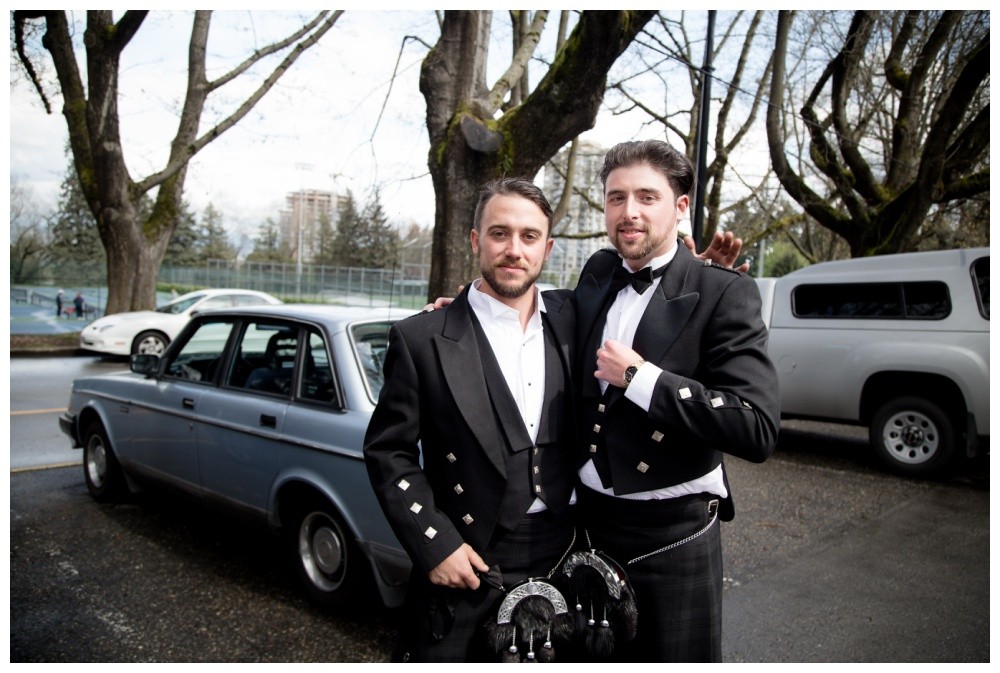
x=718, y=392
x=435, y=446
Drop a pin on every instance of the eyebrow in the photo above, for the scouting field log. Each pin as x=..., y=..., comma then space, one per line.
x=641, y=190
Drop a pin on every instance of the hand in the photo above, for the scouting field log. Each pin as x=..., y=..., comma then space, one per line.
x=441, y=302
x=458, y=570
x=612, y=361
x=724, y=250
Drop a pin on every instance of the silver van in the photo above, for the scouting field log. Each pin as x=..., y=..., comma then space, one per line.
x=898, y=343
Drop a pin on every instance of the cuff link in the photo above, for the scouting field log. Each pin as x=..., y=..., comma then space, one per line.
x=430, y=533
x=403, y=484
x=717, y=402
x=416, y=507
x=684, y=393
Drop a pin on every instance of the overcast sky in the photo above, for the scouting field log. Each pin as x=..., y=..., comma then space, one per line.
x=314, y=130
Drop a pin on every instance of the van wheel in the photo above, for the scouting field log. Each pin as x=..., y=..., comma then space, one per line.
x=327, y=561
x=912, y=436
x=101, y=470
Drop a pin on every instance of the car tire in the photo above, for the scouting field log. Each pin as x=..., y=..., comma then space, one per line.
x=327, y=560
x=151, y=342
x=913, y=436
x=104, y=476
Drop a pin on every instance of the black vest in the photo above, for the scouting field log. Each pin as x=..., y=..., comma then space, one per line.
x=542, y=469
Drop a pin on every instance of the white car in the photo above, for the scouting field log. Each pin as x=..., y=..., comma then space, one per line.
x=151, y=331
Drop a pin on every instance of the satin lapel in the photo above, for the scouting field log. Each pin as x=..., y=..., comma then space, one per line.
x=558, y=318
x=592, y=304
x=463, y=373
x=668, y=312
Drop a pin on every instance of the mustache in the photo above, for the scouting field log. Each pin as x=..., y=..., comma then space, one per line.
x=510, y=262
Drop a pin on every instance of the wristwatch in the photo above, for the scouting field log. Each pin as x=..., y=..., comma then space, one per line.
x=632, y=370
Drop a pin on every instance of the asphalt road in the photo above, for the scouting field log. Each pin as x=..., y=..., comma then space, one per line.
x=829, y=560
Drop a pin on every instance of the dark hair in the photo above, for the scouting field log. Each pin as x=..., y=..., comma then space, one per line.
x=661, y=156
x=512, y=186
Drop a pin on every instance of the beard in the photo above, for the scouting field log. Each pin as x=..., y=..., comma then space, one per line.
x=508, y=289
x=640, y=249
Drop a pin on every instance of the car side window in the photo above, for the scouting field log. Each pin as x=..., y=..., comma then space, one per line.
x=218, y=301
x=370, y=342
x=317, y=373
x=199, y=357
x=981, y=280
x=264, y=359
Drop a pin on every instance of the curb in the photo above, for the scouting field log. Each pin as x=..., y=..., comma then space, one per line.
x=51, y=353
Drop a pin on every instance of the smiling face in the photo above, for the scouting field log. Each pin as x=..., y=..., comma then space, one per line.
x=512, y=244
x=641, y=213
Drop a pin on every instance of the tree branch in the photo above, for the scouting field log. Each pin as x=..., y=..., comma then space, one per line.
x=126, y=28
x=503, y=86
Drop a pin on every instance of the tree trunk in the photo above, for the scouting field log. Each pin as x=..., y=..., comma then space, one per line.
x=470, y=146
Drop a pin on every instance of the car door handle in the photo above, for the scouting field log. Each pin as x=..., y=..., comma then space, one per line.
x=187, y=403
x=268, y=421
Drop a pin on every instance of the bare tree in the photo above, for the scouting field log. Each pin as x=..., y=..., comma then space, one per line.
x=741, y=76
x=135, y=245
x=897, y=124
x=473, y=138
x=29, y=244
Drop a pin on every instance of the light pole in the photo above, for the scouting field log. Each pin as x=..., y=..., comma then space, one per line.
x=299, y=226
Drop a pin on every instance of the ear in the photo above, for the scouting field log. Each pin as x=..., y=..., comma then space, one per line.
x=474, y=241
x=548, y=248
x=683, y=203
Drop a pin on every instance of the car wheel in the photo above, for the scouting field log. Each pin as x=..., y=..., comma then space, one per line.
x=912, y=436
x=327, y=561
x=153, y=343
x=101, y=470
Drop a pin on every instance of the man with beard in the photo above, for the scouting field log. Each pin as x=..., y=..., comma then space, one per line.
x=674, y=374
x=471, y=446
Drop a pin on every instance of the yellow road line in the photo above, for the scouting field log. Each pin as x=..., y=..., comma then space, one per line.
x=37, y=411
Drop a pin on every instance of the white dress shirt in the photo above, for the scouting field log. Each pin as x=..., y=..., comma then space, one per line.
x=520, y=354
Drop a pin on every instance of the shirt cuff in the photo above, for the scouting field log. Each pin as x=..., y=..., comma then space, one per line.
x=640, y=390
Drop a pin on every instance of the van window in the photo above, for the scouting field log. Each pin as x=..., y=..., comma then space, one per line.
x=981, y=280
x=916, y=300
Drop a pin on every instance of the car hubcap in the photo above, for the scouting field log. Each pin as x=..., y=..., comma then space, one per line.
x=321, y=551
x=97, y=462
x=151, y=345
x=910, y=437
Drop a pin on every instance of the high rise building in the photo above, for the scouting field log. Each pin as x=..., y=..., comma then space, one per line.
x=301, y=215
x=582, y=218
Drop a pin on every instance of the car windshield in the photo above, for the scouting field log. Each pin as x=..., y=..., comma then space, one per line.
x=180, y=305
x=370, y=342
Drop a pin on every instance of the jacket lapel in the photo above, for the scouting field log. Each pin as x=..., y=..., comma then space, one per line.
x=463, y=373
x=669, y=310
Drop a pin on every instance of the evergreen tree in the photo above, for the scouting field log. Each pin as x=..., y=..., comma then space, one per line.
x=345, y=248
x=73, y=231
x=213, y=240
x=268, y=246
x=378, y=240
x=326, y=241
x=182, y=251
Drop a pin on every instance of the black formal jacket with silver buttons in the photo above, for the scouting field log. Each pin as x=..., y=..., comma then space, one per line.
x=446, y=433
x=718, y=393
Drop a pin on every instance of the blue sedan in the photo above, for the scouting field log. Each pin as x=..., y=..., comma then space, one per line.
x=261, y=410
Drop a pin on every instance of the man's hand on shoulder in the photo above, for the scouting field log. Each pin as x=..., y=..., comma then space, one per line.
x=724, y=250
x=458, y=571
x=441, y=302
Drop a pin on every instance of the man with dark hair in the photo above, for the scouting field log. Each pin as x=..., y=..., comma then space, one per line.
x=471, y=448
x=674, y=374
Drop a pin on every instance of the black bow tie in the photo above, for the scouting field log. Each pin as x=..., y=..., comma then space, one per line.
x=640, y=280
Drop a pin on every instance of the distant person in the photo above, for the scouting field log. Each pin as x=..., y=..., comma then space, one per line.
x=59, y=303
x=173, y=293
x=78, y=303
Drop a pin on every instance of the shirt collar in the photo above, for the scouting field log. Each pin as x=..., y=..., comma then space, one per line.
x=657, y=262
x=482, y=302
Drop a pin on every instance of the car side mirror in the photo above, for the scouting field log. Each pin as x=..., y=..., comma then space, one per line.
x=144, y=363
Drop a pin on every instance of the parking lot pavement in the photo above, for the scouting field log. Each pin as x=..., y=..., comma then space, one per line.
x=910, y=585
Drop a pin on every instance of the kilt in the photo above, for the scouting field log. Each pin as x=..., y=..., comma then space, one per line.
x=439, y=624
x=679, y=591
